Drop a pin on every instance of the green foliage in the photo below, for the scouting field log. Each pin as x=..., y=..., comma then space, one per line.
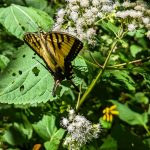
x=19, y=132
x=32, y=19
x=47, y=130
x=16, y=84
x=121, y=79
x=129, y=116
x=31, y=115
x=135, y=49
x=108, y=144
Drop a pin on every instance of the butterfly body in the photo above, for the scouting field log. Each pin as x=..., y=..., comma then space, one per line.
x=57, y=49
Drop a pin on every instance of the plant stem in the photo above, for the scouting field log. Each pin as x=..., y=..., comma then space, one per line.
x=118, y=65
x=131, y=62
x=146, y=128
x=97, y=77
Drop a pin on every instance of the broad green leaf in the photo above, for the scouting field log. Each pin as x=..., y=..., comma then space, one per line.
x=121, y=79
x=135, y=49
x=25, y=81
x=14, y=135
x=66, y=91
x=55, y=140
x=130, y=116
x=80, y=63
x=140, y=33
x=109, y=144
x=18, y=20
x=110, y=26
x=46, y=128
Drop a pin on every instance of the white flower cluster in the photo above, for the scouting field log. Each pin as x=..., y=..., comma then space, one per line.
x=79, y=17
x=80, y=130
x=137, y=14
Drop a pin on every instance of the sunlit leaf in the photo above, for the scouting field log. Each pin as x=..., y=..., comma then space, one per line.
x=19, y=19
x=130, y=116
x=20, y=84
x=55, y=140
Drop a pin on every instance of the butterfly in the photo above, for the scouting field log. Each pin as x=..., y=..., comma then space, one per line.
x=57, y=49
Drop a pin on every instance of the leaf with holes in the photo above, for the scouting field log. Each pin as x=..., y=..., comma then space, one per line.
x=25, y=81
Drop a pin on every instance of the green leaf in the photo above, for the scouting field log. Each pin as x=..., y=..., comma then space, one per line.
x=110, y=27
x=81, y=70
x=140, y=33
x=105, y=124
x=80, y=63
x=122, y=79
x=21, y=84
x=14, y=135
x=109, y=144
x=45, y=128
x=129, y=116
x=18, y=20
x=134, y=49
x=55, y=140
x=141, y=98
x=39, y=4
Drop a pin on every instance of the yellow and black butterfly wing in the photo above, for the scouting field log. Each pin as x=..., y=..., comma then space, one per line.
x=37, y=42
x=65, y=48
x=57, y=49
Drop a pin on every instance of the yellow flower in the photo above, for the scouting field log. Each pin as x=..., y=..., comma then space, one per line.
x=109, y=112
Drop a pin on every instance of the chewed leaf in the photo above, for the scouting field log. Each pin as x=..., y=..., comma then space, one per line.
x=25, y=81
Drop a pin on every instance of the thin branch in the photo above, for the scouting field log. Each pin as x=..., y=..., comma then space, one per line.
x=93, y=83
x=131, y=62
x=96, y=61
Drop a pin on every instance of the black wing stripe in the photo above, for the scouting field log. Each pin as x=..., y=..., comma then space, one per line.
x=58, y=37
x=76, y=47
x=52, y=41
x=67, y=38
x=49, y=51
x=62, y=37
x=36, y=42
x=28, y=38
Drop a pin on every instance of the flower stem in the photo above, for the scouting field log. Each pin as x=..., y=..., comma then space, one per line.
x=131, y=62
x=93, y=83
